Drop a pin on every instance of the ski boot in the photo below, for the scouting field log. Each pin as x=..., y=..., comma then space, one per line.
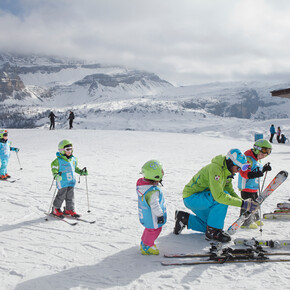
x=3, y=177
x=71, y=213
x=7, y=175
x=146, y=250
x=181, y=220
x=57, y=212
x=216, y=234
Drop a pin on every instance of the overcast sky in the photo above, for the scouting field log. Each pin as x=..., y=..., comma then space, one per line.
x=182, y=41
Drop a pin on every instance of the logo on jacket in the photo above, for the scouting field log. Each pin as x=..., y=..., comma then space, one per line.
x=217, y=178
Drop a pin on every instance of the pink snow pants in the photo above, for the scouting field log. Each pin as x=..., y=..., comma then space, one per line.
x=150, y=235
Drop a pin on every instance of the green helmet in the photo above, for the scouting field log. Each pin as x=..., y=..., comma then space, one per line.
x=263, y=146
x=3, y=133
x=152, y=170
x=64, y=144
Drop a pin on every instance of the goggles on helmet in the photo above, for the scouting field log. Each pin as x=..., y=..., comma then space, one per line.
x=5, y=134
x=67, y=149
x=245, y=167
x=266, y=150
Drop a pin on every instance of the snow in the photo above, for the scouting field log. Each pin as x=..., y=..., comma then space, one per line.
x=39, y=254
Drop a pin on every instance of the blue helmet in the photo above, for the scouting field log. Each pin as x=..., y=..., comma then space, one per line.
x=238, y=158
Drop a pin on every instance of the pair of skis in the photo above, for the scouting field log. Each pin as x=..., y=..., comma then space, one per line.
x=274, y=184
x=283, y=212
x=69, y=217
x=226, y=255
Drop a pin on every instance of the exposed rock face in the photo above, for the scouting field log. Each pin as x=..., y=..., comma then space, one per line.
x=9, y=83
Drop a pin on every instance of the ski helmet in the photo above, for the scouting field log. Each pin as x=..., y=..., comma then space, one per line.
x=3, y=133
x=263, y=146
x=237, y=158
x=152, y=170
x=64, y=144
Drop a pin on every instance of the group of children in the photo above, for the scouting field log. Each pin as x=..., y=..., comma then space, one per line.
x=208, y=195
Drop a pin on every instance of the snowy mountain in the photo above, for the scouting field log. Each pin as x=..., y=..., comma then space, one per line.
x=115, y=97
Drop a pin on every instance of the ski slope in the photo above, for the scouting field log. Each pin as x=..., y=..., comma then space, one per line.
x=39, y=254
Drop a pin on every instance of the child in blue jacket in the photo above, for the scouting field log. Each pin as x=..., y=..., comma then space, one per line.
x=151, y=205
x=5, y=148
x=63, y=169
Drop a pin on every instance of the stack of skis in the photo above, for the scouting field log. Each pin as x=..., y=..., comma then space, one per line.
x=254, y=252
x=283, y=212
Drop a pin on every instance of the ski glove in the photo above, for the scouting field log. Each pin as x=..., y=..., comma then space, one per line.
x=267, y=167
x=255, y=174
x=160, y=220
x=16, y=149
x=58, y=178
x=249, y=205
x=84, y=172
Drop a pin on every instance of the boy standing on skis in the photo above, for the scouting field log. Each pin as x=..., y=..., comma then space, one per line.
x=249, y=181
x=63, y=169
x=151, y=204
x=5, y=148
x=209, y=193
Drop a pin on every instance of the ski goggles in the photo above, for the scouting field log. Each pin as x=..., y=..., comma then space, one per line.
x=245, y=167
x=5, y=134
x=67, y=149
x=266, y=150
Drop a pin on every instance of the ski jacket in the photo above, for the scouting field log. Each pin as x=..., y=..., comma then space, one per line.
x=216, y=178
x=149, y=209
x=71, y=116
x=5, y=148
x=246, y=184
x=272, y=130
x=67, y=167
x=51, y=116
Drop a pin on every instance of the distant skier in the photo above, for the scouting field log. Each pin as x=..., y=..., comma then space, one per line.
x=5, y=148
x=283, y=138
x=249, y=181
x=272, y=132
x=71, y=119
x=278, y=135
x=152, y=209
x=208, y=195
x=63, y=169
x=52, y=117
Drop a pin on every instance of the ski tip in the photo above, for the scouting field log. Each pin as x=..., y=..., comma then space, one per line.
x=284, y=172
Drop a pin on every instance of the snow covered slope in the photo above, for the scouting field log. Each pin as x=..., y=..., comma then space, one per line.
x=38, y=254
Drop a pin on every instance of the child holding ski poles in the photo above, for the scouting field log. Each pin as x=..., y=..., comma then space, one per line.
x=63, y=169
x=249, y=181
x=151, y=205
x=5, y=148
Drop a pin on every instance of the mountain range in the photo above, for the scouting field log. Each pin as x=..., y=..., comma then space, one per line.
x=115, y=97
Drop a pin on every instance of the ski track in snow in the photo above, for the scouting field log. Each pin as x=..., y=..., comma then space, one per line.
x=39, y=254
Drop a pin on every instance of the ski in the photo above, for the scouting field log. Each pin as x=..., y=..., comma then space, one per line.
x=221, y=256
x=60, y=219
x=10, y=180
x=276, y=215
x=221, y=261
x=273, y=185
x=283, y=205
x=268, y=243
x=80, y=219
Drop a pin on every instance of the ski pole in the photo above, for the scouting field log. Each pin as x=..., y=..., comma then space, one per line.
x=54, y=190
x=18, y=160
x=260, y=209
x=50, y=206
x=87, y=194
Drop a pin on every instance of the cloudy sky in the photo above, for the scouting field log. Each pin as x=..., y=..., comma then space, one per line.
x=183, y=41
